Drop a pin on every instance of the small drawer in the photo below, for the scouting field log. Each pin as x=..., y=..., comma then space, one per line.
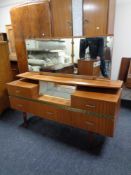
x=101, y=126
x=20, y=104
x=83, y=121
x=91, y=105
x=23, y=89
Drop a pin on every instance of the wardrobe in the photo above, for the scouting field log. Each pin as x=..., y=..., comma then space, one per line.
x=60, y=19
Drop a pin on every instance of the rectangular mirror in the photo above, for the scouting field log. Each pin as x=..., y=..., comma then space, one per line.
x=82, y=56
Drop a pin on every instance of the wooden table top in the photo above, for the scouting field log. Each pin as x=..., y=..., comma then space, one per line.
x=72, y=81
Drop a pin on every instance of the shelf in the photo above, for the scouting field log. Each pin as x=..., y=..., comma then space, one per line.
x=72, y=81
x=55, y=100
x=42, y=50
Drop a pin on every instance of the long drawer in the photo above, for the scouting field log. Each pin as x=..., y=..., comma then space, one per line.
x=23, y=89
x=102, y=126
x=42, y=110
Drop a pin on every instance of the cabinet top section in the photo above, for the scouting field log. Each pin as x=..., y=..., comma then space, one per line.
x=29, y=3
x=72, y=80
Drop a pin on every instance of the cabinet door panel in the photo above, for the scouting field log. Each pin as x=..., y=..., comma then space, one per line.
x=95, y=17
x=10, y=34
x=40, y=20
x=21, y=22
x=21, y=28
x=61, y=18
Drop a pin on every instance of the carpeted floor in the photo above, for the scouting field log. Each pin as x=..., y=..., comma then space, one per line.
x=47, y=148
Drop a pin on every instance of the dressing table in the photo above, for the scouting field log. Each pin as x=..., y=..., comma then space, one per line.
x=92, y=104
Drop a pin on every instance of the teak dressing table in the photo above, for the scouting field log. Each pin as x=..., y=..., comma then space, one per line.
x=93, y=106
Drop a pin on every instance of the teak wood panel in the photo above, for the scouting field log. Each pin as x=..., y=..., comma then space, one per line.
x=5, y=75
x=29, y=21
x=95, y=14
x=40, y=20
x=5, y=68
x=11, y=40
x=72, y=81
x=87, y=68
x=97, y=106
x=98, y=125
x=4, y=99
x=128, y=82
x=124, y=68
x=90, y=123
x=62, y=25
x=23, y=89
x=41, y=110
x=21, y=26
x=111, y=16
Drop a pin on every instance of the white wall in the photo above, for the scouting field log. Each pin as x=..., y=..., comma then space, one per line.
x=5, y=6
x=122, y=37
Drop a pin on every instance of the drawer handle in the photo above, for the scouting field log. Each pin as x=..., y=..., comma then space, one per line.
x=19, y=105
x=89, y=123
x=50, y=113
x=90, y=106
x=17, y=91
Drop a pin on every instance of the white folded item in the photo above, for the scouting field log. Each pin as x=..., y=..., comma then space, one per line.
x=36, y=62
x=50, y=88
x=66, y=89
x=36, y=68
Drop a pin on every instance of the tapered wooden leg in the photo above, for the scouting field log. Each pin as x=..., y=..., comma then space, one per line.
x=25, y=119
x=90, y=138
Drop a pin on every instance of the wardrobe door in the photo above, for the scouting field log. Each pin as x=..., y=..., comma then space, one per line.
x=40, y=19
x=20, y=21
x=62, y=25
x=95, y=17
x=21, y=27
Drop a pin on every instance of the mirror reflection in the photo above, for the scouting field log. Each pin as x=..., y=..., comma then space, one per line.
x=83, y=56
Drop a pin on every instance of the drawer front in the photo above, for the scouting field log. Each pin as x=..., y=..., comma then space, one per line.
x=101, y=126
x=23, y=92
x=65, y=117
x=99, y=107
x=94, y=124
x=21, y=105
x=35, y=108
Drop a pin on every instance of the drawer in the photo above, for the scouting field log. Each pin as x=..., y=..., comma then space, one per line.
x=51, y=113
x=23, y=89
x=65, y=117
x=91, y=105
x=35, y=108
x=21, y=105
x=101, y=126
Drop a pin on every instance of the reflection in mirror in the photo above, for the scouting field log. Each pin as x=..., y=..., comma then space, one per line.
x=50, y=55
x=83, y=56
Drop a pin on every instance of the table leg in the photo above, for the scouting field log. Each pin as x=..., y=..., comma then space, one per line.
x=90, y=138
x=25, y=119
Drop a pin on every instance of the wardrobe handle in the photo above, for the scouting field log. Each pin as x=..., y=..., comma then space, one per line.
x=43, y=34
x=69, y=23
x=86, y=21
x=97, y=28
